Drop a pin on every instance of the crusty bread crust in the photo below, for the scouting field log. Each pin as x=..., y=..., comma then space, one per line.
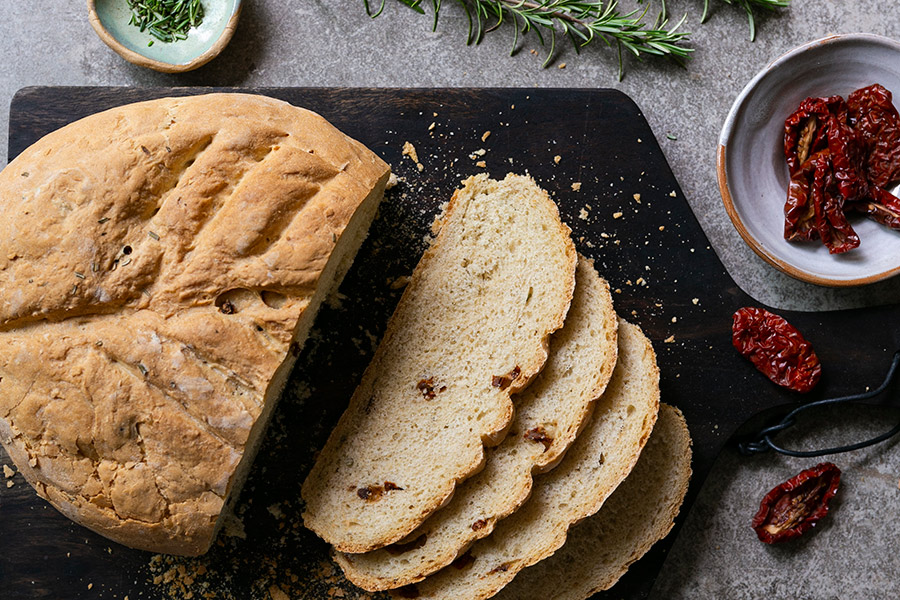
x=642, y=511
x=471, y=328
x=598, y=461
x=158, y=264
x=549, y=414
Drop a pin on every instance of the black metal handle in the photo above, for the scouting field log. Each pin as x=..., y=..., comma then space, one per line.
x=762, y=441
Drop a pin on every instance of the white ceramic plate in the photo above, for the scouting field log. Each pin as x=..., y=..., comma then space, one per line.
x=753, y=175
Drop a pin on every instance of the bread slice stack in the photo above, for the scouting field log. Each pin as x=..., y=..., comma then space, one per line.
x=571, y=437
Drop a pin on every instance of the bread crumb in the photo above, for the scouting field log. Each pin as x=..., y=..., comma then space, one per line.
x=662, y=227
x=481, y=164
x=674, y=319
x=399, y=282
x=234, y=527
x=8, y=472
x=696, y=300
x=431, y=127
x=10, y=483
x=673, y=194
x=562, y=65
x=277, y=593
x=478, y=153
x=410, y=151
x=533, y=51
x=618, y=290
x=90, y=585
x=392, y=181
x=637, y=198
x=669, y=339
x=485, y=136
x=576, y=187
x=617, y=215
x=583, y=215
x=557, y=158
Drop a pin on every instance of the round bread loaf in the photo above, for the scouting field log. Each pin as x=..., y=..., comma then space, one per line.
x=160, y=265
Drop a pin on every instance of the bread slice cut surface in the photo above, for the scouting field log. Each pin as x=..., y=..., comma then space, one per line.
x=599, y=550
x=599, y=460
x=471, y=328
x=549, y=414
x=161, y=266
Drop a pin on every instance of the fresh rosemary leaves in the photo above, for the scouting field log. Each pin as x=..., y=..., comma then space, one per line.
x=166, y=20
x=582, y=21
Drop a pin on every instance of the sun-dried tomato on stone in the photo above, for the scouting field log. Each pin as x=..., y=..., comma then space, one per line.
x=776, y=348
x=795, y=506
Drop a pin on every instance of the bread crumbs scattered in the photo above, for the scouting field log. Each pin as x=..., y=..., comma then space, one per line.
x=431, y=127
x=576, y=187
x=557, y=158
x=485, y=136
x=673, y=194
x=481, y=164
x=604, y=235
x=669, y=339
x=583, y=215
x=533, y=51
x=696, y=300
x=617, y=215
x=8, y=472
x=637, y=198
x=478, y=153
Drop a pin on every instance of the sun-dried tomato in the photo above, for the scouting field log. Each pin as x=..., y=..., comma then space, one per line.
x=841, y=157
x=795, y=506
x=873, y=114
x=776, y=348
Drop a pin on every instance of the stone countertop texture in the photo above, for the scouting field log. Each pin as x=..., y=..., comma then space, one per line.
x=333, y=43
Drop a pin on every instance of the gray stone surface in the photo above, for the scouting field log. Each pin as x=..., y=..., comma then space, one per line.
x=319, y=43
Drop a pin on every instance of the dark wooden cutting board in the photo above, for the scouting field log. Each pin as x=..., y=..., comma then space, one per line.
x=629, y=214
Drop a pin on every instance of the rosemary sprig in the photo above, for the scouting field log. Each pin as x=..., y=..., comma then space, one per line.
x=166, y=20
x=749, y=6
x=582, y=21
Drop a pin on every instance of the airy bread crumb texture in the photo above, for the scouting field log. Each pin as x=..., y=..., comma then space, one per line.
x=160, y=265
x=638, y=514
x=471, y=328
x=598, y=461
x=549, y=414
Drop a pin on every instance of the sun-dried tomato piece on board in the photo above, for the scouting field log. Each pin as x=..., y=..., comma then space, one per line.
x=795, y=506
x=776, y=348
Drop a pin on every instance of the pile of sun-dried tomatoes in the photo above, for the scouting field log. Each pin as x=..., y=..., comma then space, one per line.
x=842, y=156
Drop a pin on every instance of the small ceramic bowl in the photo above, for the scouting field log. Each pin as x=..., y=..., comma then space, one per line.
x=753, y=175
x=110, y=19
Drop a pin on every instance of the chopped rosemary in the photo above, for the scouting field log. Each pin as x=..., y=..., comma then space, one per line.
x=103, y=220
x=79, y=275
x=166, y=20
x=154, y=235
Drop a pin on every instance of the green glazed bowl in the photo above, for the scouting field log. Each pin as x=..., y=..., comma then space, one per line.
x=110, y=19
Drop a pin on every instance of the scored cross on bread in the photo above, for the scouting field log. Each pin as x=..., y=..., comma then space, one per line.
x=471, y=328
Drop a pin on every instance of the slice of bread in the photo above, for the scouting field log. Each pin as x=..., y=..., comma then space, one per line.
x=161, y=266
x=471, y=328
x=598, y=461
x=549, y=414
x=639, y=513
